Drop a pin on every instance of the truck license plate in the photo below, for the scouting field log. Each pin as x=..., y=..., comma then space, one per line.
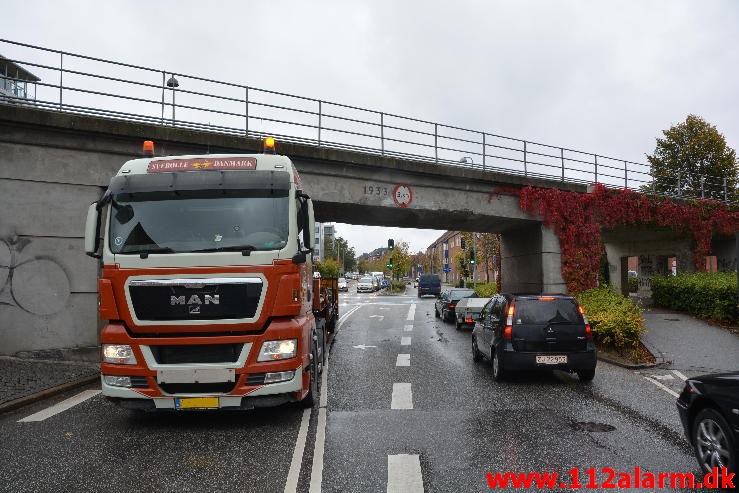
x=551, y=360
x=196, y=403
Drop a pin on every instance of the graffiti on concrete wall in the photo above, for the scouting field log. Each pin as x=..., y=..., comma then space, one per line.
x=35, y=284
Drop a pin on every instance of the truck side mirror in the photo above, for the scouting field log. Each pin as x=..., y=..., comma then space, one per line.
x=92, y=231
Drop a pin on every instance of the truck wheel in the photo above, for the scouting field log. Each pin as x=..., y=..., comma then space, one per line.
x=311, y=399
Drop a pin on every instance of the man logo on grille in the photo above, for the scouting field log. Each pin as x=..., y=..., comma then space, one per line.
x=194, y=302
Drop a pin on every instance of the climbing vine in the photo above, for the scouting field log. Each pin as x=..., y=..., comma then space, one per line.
x=578, y=219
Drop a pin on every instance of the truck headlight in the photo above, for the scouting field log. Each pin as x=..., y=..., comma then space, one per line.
x=274, y=350
x=121, y=354
x=117, y=381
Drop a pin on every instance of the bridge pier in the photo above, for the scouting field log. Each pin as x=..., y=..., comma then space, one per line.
x=531, y=261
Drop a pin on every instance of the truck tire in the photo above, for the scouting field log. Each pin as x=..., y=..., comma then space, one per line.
x=311, y=399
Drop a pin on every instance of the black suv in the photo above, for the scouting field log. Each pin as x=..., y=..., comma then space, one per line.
x=528, y=332
x=448, y=299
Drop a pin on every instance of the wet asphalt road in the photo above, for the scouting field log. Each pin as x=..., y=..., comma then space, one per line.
x=461, y=426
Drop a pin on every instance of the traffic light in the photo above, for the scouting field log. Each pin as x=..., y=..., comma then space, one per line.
x=389, y=264
x=472, y=259
x=391, y=244
x=462, y=243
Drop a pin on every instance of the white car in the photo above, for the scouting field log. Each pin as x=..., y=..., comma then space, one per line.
x=342, y=284
x=366, y=285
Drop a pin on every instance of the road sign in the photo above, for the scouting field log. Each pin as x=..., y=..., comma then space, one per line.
x=447, y=269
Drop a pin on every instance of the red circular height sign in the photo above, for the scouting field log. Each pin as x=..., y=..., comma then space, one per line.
x=402, y=195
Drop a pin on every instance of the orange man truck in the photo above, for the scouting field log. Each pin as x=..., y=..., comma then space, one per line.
x=206, y=287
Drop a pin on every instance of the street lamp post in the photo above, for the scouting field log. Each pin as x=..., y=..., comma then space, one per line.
x=173, y=84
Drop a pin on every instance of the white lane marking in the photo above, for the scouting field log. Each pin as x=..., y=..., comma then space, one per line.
x=343, y=318
x=316, y=475
x=669, y=391
x=405, y=341
x=680, y=375
x=404, y=474
x=291, y=484
x=60, y=407
x=402, y=396
x=408, y=328
x=403, y=360
x=379, y=317
x=662, y=377
x=362, y=346
x=411, y=312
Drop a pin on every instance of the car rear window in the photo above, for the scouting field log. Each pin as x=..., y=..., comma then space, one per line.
x=429, y=278
x=458, y=294
x=546, y=310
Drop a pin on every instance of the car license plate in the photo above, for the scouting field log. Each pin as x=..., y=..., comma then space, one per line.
x=196, y=403
x=551, y=360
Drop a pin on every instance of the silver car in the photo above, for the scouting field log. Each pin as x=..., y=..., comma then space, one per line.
x=366, y=285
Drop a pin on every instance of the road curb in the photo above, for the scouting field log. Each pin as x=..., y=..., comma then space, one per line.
x=636, y=366
x=37, y=396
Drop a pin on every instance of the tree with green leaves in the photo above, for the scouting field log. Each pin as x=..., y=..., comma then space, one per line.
x=339, y=249
x=693, y=160
x=401, y=259
x=327, y=268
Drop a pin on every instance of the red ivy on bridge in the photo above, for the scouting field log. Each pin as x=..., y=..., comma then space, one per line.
x=578, y=219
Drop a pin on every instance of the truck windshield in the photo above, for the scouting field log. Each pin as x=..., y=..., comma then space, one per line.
x=199, y=221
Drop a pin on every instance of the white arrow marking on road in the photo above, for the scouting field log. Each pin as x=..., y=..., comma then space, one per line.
x=663, y=377
x=362, y=346
x=381, y=317
x=680, y=375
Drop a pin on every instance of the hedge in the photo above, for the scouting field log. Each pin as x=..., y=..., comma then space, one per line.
x=486, y=290
x=615, y=320
x=702, y=294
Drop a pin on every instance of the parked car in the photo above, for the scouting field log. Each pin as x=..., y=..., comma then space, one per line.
x=366, y=284
x=429, y=284
x=343, y=285
x=448, y=299
x=527, y=332
x=709, y=411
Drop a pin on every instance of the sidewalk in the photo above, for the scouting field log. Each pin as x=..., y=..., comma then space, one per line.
x=42, y=373
x=688, y=344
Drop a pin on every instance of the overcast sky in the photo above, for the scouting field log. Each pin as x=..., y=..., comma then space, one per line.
x=602, y=77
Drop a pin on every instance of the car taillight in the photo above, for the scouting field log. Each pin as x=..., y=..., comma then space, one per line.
x=508, y=330
x=588, y=329
x=451, y=305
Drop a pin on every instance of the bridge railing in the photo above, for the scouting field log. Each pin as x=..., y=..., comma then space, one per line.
x=93, y=86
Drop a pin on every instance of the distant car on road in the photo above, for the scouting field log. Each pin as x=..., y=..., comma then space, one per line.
x=528, y=332
x=429, y=284
x=709, y=411
x=366, y=284
x=342, y=284
x=448, y=299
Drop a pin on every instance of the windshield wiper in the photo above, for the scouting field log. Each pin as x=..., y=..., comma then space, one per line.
x=144, y=253
x=244, y=249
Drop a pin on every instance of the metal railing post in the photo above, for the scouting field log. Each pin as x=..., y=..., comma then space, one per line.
x=562, y=158
x=320, y=118
x=164, y=84
x=483, y=151
x=626, y=176
x=525, y=167
x=246, y=111
x=436, y=142
x=382, y=133
x=596, y=168
x=61, y=79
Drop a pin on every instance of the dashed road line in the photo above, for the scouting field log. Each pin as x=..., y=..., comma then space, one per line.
x=405, y=341
x=403, y=360
x=404, y=474
x=411, y=312
x=402, y=396
x=60, y=407
x=408, y=328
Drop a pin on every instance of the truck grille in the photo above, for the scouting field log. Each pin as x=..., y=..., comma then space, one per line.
x=199, y=353
x=195, y=299
x=198, y=388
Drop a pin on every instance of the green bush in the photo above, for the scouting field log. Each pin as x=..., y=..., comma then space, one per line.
x=486, y=290
x=396, y=286
x=615, y=320
x=633, y=284
x=702, y=294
